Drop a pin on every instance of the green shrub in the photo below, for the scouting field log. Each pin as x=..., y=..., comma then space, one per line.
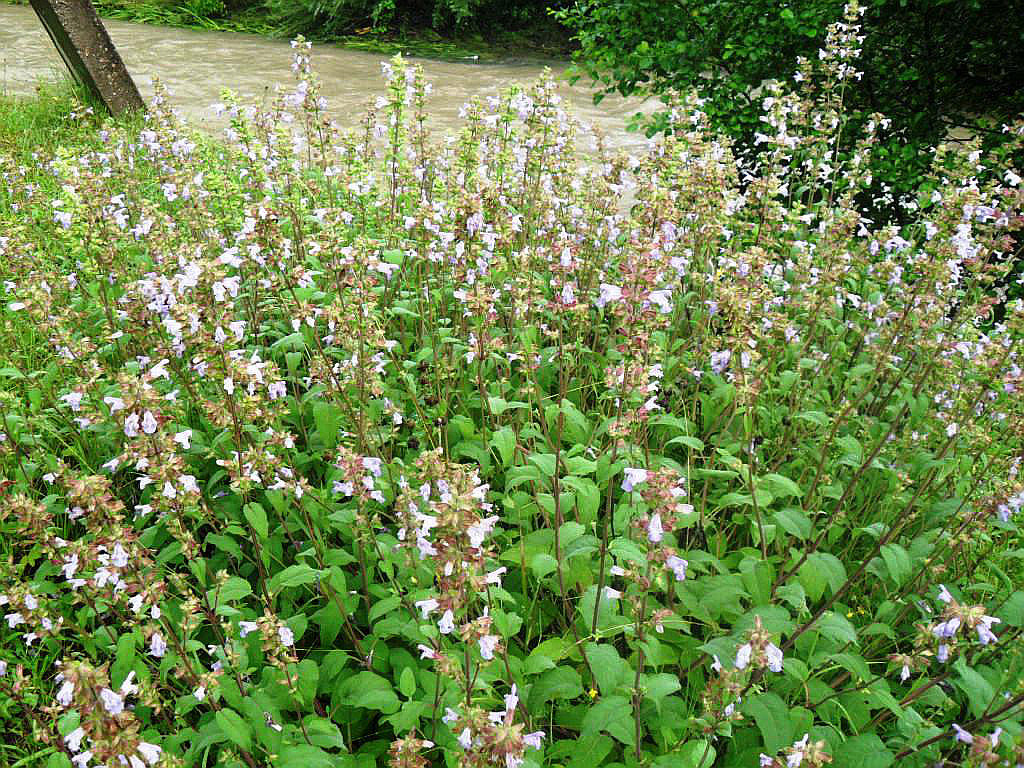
x=931, y=66
x=341, y=449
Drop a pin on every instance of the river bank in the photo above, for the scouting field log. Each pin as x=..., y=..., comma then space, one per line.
x=195, y=66
x=540, y=40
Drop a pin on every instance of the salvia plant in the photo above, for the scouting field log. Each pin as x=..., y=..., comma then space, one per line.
x=327, y=448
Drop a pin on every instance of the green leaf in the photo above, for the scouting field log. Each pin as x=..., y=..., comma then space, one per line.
x=233, y=589
x=689, y=442
x=407, y=682
x=293, y=576
x=661, y=685
x=780, y=486
x=610, y=669
x=794, y=522
x=693, y=754
x=897, y=560
x=369, y=691
x=978, y=690
x=234, y=727
x=545, y=462
x=772, y=717
x=614, y=715
x=257, y=518
x=863, y=751
x=308, y=756
x=327, y=418
x=504, y=442
x=558, y=683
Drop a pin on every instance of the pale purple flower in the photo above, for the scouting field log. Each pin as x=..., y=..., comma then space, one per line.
x=82, y=760
x=904, y=673
x=73, y=400
x=466, y=738
x=74, y=739
x=663, y=299
x=246, y=627
x=633, y=476
x=944, y=594
x=608, y=293
x=984, y=628
x=286, y=636
x=534, y=739
x=426, y=652
x=184, y=438
x=677, y=566
x=943, y=653
x=961, y=735
x=655, y=533
x=946, y=628
x=157, y=645
x=149, y=423
x=427, y=606
x=112, y=702
x=149, y=751
x=720, y=361
x=65, y=693
x=743, y=656
x=447, y=623
x=488, y=644
x=774, y=656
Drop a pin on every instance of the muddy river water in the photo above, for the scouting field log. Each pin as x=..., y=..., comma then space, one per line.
x=196, y=65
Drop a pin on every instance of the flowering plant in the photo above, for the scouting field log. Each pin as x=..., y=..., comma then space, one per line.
x=326, y=448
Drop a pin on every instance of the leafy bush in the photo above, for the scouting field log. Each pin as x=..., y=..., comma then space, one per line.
x=337, y=449
x=931, y=66
x=326, y=18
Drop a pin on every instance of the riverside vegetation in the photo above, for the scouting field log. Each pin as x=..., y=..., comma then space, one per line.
x=348, y=449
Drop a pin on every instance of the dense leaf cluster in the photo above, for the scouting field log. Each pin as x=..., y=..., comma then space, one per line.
x=344, y=449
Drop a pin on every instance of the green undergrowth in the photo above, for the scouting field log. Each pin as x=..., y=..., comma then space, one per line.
x=343, y=449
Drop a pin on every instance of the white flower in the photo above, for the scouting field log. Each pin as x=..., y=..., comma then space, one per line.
x=488, y=644
x=427, y=606
x=677, y=565
x=74, y=739
x=533, y=739
x=112, y=702
x=372, y=465
x=149, y=751
x=961, y=735
x=157, y=645
x=287, y=636
x=184, y=438
x=200, y=692
x=466, y=738
x=149, y=424
x=245, y=627
x=663, y=299
x=633, y=476
x=612, y=594
x=65, y=693
x=774, y=656
x=743, y=656
x=655, y=533
x=82, y=760
x=426, y=652
x=447, y=622
x=73, y=400
x=608, y=293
